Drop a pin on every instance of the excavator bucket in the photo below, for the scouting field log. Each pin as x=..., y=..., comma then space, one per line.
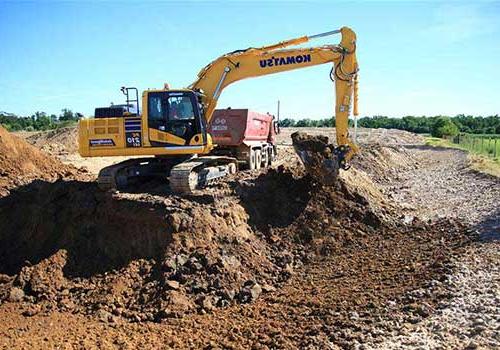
x=319, y=157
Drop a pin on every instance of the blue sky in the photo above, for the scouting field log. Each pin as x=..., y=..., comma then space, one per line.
x=416, y=58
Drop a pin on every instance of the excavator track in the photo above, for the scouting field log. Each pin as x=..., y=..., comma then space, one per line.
x=199, y=172
x=185, y=177
x=118, y=176
x=109, y=178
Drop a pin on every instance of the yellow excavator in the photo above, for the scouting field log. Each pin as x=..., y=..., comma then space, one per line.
x=171, y=134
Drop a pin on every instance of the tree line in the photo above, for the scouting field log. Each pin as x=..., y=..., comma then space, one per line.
x=39, y=121
x=438, y=126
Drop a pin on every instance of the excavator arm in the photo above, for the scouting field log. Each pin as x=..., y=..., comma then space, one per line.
x=277, y=58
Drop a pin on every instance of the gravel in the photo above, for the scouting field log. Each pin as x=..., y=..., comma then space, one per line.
x=444, y=186
x=471, y=319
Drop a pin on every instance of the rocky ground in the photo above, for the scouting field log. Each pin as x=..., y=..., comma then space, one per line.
x=444, y=186
x=402, y=253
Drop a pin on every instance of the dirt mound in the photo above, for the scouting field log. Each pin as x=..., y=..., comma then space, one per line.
x=385, y=163
x=21, y=163
x=147, y=257
x=365, y=137
x=374, y=171
x=60, y=141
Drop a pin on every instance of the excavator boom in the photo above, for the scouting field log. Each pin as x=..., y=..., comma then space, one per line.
x=277, y=58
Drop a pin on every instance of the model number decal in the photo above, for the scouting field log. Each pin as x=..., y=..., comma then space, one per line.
x=133, y=139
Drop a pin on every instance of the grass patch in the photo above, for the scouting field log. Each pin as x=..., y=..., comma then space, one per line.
x=478, y=162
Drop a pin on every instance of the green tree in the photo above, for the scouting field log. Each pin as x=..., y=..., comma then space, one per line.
x=444, y=127
x=303, y=123
x=66, y=115
x=287, y=122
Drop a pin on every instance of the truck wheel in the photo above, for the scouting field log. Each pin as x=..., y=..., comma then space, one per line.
x=258, y=159
x=270, y=156
x=231, y=167
x=265, y=158
x=251, y=159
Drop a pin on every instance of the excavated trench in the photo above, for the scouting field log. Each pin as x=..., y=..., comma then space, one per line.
x=274, y=200
x=99, y=232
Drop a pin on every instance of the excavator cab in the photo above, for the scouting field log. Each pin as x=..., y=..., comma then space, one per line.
x=170, y=123
x=174, y=118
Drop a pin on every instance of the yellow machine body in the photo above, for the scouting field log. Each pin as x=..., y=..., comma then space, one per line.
x=102, y=137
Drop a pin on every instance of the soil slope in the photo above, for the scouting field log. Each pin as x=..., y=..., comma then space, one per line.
x=20, y=163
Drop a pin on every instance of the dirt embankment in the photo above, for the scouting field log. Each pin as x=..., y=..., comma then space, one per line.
x=60, y=141
x=384, y=137
x=21, y=163
x=168, y=256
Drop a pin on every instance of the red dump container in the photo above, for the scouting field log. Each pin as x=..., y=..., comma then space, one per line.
x=233, y=127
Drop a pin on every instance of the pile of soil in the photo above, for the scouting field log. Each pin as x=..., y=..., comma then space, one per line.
x=385, y=163
x=60, y=141
x=142, y=257
x=21, y=163
x=145, y=257
x=365, y=137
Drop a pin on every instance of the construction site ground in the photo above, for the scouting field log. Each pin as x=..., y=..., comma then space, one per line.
x=403, y=253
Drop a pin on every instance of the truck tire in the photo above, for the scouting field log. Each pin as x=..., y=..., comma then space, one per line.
x=252, y=159
x=265, y=158
x=258, y=159
x=270, y=156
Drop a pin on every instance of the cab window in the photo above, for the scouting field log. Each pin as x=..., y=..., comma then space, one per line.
x=180, y=108
x=155, y=110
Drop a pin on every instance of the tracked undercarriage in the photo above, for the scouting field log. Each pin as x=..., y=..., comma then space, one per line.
x=184, y=176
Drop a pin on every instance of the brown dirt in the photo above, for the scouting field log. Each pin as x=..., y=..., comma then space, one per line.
x=385, y=137
x=233, y=243
x=269, y=261
x=61, y=141
x=21, y=163
x=317, y=156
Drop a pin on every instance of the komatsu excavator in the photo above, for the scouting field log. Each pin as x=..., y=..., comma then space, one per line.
x=172, y=129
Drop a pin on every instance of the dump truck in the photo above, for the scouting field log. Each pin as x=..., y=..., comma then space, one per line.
x=248, y=136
